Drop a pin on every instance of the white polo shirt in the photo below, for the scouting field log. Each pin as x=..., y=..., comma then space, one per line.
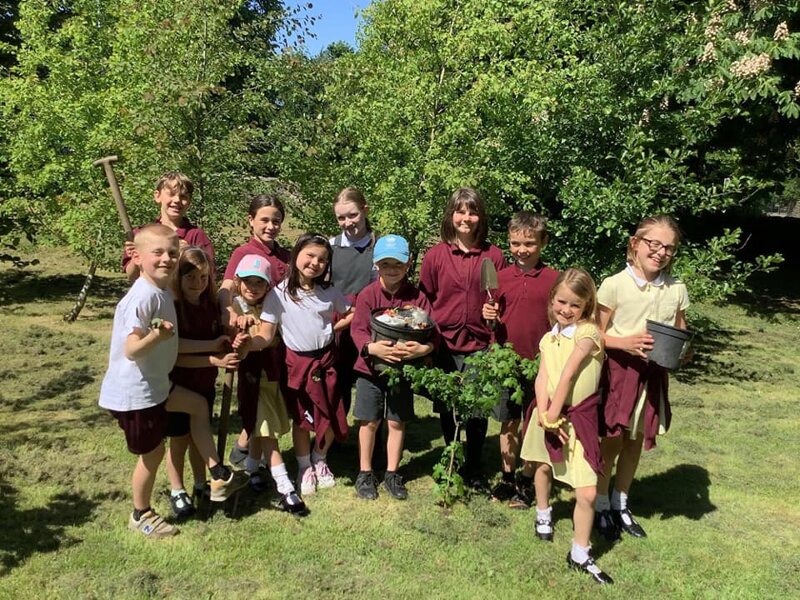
x=305, y=325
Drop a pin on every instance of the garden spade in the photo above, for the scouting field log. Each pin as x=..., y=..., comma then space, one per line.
x=489, y=283
x=112, y=183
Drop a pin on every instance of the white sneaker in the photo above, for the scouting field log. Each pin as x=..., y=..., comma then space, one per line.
x=325, y=478
x=307, y=481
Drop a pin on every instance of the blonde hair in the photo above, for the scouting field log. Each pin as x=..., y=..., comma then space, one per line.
x=154, y=231
x=177, y=181
x=580, y=283
x=646, y=225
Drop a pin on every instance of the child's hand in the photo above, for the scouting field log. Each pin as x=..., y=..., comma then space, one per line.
x=412, y=350
x=638, y=344
x=489, y=312
x=241, y=341
x=385, y=350
x=162, y=329
x=245, y=321
x=129, y=247
x=228, y=361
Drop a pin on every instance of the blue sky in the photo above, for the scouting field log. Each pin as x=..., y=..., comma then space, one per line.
x=335, y=21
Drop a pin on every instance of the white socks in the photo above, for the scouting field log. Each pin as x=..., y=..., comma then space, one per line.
x=619, y=500
x=580, y=555
x=544, y=520
x=602, y=503
x=281, y=477
x=175, y=493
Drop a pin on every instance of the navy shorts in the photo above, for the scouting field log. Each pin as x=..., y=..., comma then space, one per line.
x=507, y=409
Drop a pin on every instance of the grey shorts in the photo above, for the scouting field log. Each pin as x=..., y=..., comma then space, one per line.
x=507, y=409
x=375, y=401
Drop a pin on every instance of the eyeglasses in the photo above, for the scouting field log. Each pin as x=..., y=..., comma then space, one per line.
x=655, y=246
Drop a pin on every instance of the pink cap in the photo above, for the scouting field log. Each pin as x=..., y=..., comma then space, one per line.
x=253, y=265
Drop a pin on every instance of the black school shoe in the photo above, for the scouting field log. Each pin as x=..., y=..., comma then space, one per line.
x=590, y=568
x=293, y=504
x=182, y=506
x=624, y=521
x=504, y=490
x=393, y=483
x=606, y=526
x=547, y=525
x=366, y=485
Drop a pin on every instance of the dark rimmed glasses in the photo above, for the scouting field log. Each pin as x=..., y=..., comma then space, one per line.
x=655, y=246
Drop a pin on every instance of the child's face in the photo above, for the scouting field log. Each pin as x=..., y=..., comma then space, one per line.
x=567, y=307
x=174, y=205
x=157, y=259
x=193, y=284
x=649, y=259
x=392, y=272
x=465, y=221
x=311, y=262
x=352, y=219
x=253, y=289
x=266, y=225
x=526, y=247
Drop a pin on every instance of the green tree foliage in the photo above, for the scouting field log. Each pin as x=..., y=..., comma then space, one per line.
x=165, y=85
x=594, y=113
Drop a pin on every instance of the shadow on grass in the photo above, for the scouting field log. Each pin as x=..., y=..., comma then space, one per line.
x=774, y=295
x=24, y=533
x=70, y=381
x=23, y=287
x=681, y=491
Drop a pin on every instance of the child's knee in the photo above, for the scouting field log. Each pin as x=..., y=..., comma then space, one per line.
x=585, y=496
x=542, y=468
x=371, y=426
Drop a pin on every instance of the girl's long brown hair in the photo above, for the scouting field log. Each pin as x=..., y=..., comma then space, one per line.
x=469, y=198
x=194, y=258
x=293, y=278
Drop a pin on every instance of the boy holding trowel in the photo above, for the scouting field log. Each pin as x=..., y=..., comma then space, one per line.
x=518, y=309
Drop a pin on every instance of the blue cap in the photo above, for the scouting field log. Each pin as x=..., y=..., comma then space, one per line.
x=390, y=246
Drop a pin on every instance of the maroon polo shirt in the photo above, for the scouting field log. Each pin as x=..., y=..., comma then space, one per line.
x=522, y=298
x=277, y=256
x=200, y=322
x=451, y=278
x=192, y=235
x=374, y=296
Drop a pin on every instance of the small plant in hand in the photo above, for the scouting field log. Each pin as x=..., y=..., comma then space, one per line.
x=472, y=392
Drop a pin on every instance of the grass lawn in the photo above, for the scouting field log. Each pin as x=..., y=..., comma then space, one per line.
x=718, y=497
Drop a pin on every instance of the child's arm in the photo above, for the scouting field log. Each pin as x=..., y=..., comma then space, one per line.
x=344, y=322
x=139, y=342
x=540, y=389
x=224, y=299
x=264, y=337
x=187, y=346
x=411, y=350
x=637, y=344
x=566, y=380
x=490, y=312
x=220, y=361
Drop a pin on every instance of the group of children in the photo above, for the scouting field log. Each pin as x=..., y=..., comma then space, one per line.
x=296, y=326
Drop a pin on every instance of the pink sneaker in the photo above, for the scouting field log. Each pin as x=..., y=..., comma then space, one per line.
x=325, y=478
x=307, y=481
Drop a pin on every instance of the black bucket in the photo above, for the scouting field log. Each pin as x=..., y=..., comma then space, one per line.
x=669, y=344
x=394, y=333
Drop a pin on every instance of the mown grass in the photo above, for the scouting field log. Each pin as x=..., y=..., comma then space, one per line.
x=718, y=496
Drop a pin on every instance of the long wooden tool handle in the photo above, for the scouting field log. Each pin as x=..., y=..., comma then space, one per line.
x=115, y=192
x=224, y=415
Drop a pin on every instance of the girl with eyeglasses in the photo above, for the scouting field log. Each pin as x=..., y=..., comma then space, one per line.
x=636, y=405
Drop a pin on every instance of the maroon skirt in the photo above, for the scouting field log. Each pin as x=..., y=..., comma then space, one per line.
x=624, y=378
x=312, y=395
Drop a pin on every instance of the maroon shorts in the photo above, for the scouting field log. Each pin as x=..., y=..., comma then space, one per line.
x=145, y=428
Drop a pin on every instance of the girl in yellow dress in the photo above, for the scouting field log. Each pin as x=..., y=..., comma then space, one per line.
x=562, y=435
